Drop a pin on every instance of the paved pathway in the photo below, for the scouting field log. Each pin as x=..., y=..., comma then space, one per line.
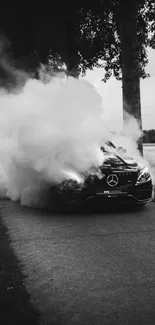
x=94, y=269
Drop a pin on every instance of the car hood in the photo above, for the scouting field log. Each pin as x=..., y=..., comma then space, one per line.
x=111, y=160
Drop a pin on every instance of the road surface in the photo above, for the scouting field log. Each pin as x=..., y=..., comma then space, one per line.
x=96, y=269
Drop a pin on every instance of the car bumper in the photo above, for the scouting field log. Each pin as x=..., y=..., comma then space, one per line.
x=138, y=197
x=140, y=194
x=119, y=199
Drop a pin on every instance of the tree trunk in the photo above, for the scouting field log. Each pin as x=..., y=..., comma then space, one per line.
x=72, y=56
x=130, y=63
x=72, y=65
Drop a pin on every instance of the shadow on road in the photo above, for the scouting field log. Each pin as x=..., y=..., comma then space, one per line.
x=90, y=209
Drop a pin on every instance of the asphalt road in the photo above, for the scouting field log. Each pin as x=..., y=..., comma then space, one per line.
x=96, y=269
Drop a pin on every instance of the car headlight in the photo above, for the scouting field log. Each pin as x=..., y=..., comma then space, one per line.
x=144, y=176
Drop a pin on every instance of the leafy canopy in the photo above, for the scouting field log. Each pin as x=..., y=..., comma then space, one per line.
x=82, y=34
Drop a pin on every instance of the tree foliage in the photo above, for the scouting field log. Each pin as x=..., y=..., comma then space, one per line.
x=105, y=24
x=149, y=136
x=82, y=34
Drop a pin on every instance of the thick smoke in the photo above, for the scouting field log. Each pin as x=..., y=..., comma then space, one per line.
x=46, y=130
x=50, y=131
x=149, y=156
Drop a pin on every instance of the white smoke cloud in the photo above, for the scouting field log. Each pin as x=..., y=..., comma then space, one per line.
x=128, y=138
x=53, y=127
x=45, y=129
x=149, y=156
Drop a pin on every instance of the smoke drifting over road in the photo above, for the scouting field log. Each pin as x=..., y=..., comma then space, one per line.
x=49, y=131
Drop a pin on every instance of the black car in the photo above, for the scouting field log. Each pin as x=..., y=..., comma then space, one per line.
x=119, y=179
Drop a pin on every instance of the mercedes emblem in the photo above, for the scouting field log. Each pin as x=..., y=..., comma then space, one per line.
x=112, y=180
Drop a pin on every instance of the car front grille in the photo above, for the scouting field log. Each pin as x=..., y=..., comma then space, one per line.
x=124, y=179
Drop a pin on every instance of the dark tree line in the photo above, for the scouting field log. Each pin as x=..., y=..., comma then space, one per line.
x=79, y=33
x=149, y=136
x=83, y=34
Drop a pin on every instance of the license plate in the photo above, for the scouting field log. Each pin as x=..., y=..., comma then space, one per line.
x=117, y=192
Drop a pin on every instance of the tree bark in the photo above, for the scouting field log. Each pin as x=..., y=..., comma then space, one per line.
x=130, y=62
x=72, y=56
x=72, y=65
